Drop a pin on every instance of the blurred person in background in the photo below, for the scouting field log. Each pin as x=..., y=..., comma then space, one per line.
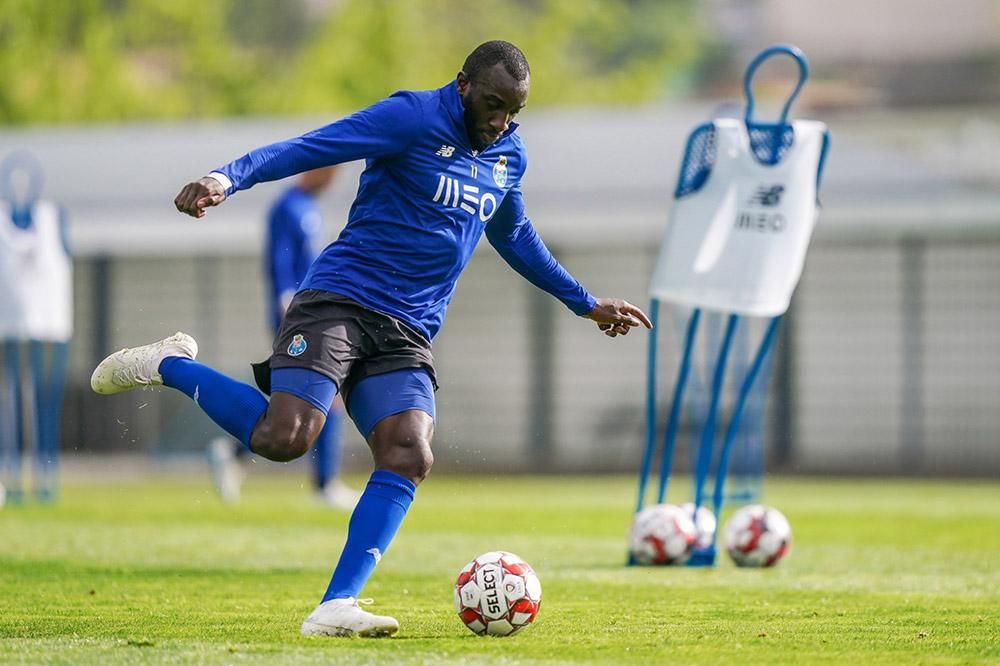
x=443, y=167
x=294, y=240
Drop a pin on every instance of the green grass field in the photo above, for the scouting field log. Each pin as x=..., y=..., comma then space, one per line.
x=880, y=572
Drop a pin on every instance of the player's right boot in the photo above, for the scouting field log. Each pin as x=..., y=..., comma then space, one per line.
x=343, y=617
x=140, y=366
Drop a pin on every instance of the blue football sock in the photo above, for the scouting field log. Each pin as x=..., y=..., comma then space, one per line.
x=326, y=451
x=378, y=515
x=235, y=406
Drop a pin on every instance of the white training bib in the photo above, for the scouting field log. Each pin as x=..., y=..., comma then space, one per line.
x=36, y=277
x=738, y=244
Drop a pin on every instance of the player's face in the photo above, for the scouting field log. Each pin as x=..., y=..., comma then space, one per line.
x=491, y=102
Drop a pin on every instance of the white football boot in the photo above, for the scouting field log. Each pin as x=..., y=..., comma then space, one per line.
x=227, y=470
x=338, y=495
x=140, y=366
x=343, y=617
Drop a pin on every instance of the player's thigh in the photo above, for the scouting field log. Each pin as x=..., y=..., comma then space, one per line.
x=300, y=401
x=395, y=412
x=408, y=429
x=380, y=396
x=287, y=413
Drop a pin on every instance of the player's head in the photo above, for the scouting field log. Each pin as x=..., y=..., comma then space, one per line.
x=494, y=84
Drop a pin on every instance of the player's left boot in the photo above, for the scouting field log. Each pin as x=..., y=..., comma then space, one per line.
x=343, y=617
x=140, y=366
x=227, y=471
x=338, y=495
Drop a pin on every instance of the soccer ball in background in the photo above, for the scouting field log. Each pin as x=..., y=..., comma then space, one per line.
x=757, y=536
x=704, y=525
x=497, y=594
x=661, y=534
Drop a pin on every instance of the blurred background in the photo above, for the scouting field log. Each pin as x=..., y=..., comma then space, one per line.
x=889, y=359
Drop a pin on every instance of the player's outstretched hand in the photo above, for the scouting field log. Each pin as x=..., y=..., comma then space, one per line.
x=616, y=317
x=195, y=197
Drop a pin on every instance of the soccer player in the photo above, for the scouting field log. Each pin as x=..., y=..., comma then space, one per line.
x=294, y=230
x=442, y=166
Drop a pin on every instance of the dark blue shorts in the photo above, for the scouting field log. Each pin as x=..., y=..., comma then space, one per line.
x=328, y=343
x=346, y=341
x=372, y=399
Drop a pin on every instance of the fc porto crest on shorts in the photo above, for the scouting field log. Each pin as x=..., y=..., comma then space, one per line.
x=500, y=171
x=297, y=346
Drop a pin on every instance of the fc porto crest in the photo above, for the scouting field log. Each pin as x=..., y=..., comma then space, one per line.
x=500, y=171
x=297, y=346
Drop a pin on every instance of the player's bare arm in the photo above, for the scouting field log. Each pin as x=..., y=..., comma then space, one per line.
x=195, y=197
x=616, y=317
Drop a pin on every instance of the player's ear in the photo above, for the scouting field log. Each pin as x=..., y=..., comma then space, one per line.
x=462, y=81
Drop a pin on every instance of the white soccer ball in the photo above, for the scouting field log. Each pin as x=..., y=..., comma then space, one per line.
x=661, y=534
x=704, y=525
x=757, y=536
x=497, y=594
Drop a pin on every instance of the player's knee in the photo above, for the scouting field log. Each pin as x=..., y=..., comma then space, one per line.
x=421, y=462
x=408, y=456
x=290, y=448
x=281, y=446
x=417, y=462
x=287, y=429
x=402, y=444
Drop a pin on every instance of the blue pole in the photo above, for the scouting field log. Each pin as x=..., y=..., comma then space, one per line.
x=739, y=367
x=670, y=437
x=50, y=385
x=30, y=436
x=57, y=391
x=37, y=416
x=708, y=433
x=753, y=421
x=647, y=454
x=12, y=425
x=7, y=415
x=706, y=556
x=758, y=362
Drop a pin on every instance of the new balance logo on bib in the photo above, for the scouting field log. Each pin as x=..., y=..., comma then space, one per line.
x=767, y=195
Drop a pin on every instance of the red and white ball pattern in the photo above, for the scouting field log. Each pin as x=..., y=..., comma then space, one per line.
x=704, y=525
x=497, y=594
x=757, y=536
x=661, y=534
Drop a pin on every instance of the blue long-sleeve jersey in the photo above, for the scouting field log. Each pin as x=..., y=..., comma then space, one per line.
x=294, y=224
x=424, y=200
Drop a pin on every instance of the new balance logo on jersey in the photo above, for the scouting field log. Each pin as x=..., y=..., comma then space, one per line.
x=453, y=193
x=767, y=195
x=445, y=151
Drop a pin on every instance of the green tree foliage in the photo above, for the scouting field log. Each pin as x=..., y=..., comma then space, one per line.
x=98, y=60
x=110, y=60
